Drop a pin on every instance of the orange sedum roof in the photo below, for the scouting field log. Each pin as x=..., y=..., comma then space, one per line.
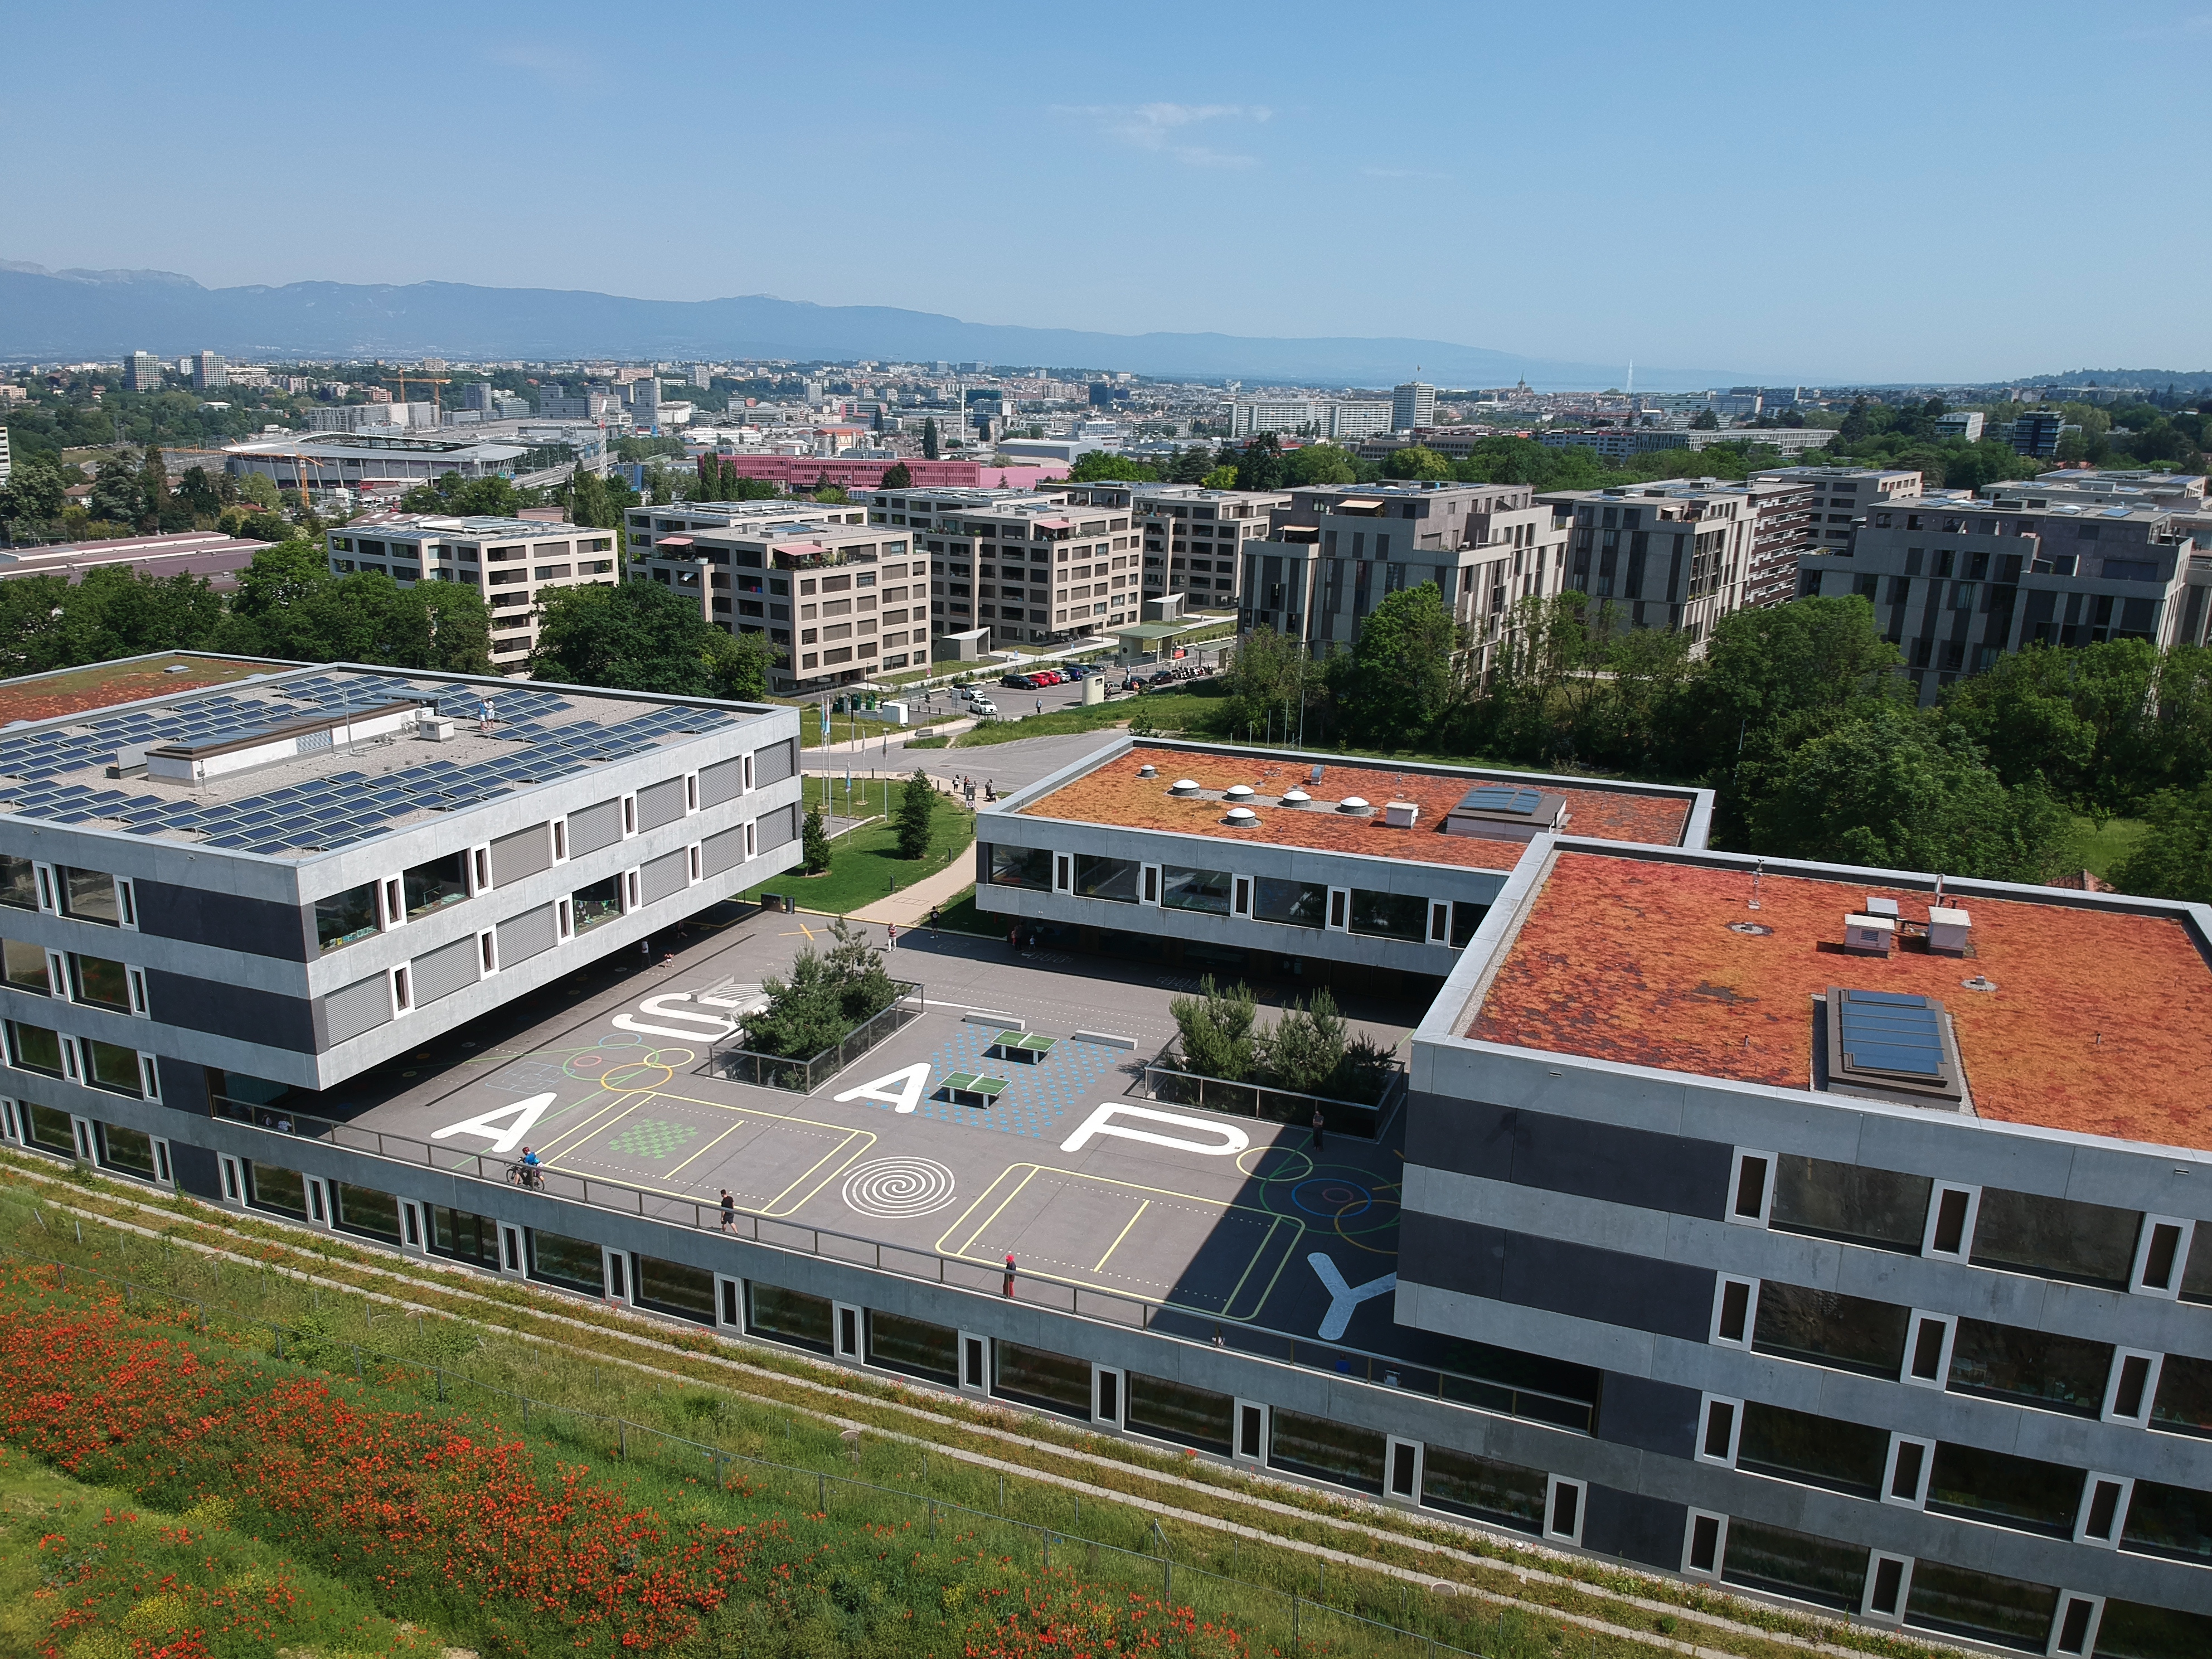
x=105, y=685
x=1113, y=794
x=2101, y=1023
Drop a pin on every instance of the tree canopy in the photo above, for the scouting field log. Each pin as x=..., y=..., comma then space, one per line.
x=643, y=636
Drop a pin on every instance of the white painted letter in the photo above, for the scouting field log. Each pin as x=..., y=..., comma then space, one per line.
x=1233, y=1140
x=1343, y=1298
x=525, y=1114
x=715, y=1024
x=901, y=1091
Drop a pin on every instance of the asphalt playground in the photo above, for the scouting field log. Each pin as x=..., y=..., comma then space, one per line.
x=940, y=1139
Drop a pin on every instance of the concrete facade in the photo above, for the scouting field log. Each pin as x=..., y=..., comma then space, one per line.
x=513, y=563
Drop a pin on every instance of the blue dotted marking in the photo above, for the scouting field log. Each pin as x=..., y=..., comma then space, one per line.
x=1037, y=1099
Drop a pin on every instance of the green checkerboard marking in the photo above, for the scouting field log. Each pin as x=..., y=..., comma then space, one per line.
x=648, y=1137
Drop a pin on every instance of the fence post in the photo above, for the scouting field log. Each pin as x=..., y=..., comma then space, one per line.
x=622, y=1438
x=822, y=1494
x=1295, y=1646
x=931, y=1504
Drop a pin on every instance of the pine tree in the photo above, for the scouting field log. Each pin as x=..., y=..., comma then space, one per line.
x=929, y=439
x=814, y=842
x=917, y=803
x=898, y=476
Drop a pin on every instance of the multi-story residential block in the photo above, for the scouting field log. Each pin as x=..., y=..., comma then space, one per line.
x=1193, y=538
x=1676, y=554
x=210, y=372
x=1030, y=568
x=141, y=372
x=1963, y=423
x=1956, y=581
x=1840, y=497
x=1413, y=404
x=837, y=598
x=1340, y=420
x=2036, y=433
x=513, y=563
x=555, y=404
x=1334, y=553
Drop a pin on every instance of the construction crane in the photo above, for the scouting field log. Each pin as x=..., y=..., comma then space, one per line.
x=419, y=380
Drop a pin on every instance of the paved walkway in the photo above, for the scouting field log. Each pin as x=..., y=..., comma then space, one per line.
x=911, y=906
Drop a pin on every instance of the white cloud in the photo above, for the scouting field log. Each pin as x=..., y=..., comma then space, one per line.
x=1162, y=129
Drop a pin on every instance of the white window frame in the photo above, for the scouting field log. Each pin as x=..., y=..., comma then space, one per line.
x=690, y=794
x=630, y=815
x=1917, y=1498
x=846, y=1316
x=1391, y=1443
x=319, y=1208
x=1440, y=913
x=693, y=863
x=402, y=987
x=136, y=978
x=976, y=1378
x=729, y=1292
x=1337, y=918
x=746, y=775
x=2066, y=1598
x=11, y=1130
x=1894, y=1615
x=1711, y=1574
x=1101, y=1377
x=2155, y=1362
x=50, y=888
x=1240, y=896
x=58, y=975
x=231, y=1178
x=559, y=831
x=85, y=1133
x=1063, y=873
x=414, y=1227
x=752, y=839
x=2090, y=1482
x=1236, y=1453
x=1744, y=1155
x=150, y=1076
x=1966, y=1231
x=564, y=921
x=1707, y=1405
x=514, y=1252
x=165, y=1166
x=1922, y=1316
x=2171, y=1291
x=480, y=869
x=631, y=902
x=1721, y=1284
x=617, y=1280
x=487, y=953
x=1148, y=886
x=73, y=1065
x=391, y=902
x=126, y=905
x=1553, y=1484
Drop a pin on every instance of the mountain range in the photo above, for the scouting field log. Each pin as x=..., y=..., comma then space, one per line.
x=67, y=315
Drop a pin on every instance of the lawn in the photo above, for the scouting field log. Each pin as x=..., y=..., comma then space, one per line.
x=1190, y=712
x=961, y=917
x=864, y=863
x=2101, y=851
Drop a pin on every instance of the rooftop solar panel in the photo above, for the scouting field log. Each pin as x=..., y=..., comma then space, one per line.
x=1884, y=1031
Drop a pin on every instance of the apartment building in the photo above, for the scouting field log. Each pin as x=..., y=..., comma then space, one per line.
x=1032, y=568
x=1336, y=552
x=141, y=372
x=1840, y=497
x=1675, y=553
x=1193, y=538
x=210, y=372
x=1956, y=580
x=1965, y=424
x=1413, y=404
x=1339, y=420
x=513, y=563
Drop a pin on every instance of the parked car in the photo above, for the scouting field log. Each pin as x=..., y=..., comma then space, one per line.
x=980, y=704
x=967, y=693
x=1015, y=682
x=1081, y=670
x=1050, y=677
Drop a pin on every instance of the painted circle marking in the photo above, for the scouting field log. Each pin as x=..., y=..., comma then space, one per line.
x=896, y=1188
x=636, y=1075
x=1284, y=1171
x=1332, y=1196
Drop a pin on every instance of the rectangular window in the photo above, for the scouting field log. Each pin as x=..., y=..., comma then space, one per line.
x=600, y=901
x=129, y=1152
x=2032, y=1368
x=23, y=967
x=1849, y=1202
x=1098, y=878
x=346, y=918
x=19, y=885
x=1824, y=1328
x=2131, y=1630
x=2006, y=1612
x=111, y=1066
x=2173, y=1522
x=280, y=1190
x=1325, y=1449
x=1176, y=1411
x=671, y=1287
x=1811, y=1450
x=1796, y=1564
x=464, y=1236
x=1950, y=1222
x=1390, y=915
x=362, y=1210
x=100, y=983
x=34, y=1048
x=2021, y=1493
x=1036, y=1376
x=435, y=884
x=1021, y=866
x=1185, y=889
x=790, y=1316
x=1503, y=1494
x=90, y=895
x=48, y=1129
x=1732, y=1303
x=1750, y=1190
x=914, y=1346
x=1289, y=904
x=2056, y=1237
x=1466, y=920
x=576, y=1264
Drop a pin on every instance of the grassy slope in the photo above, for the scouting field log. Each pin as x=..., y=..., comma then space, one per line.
x=864, y=863
x=2101, y=850
x=1168, y=711
x=100, y=1548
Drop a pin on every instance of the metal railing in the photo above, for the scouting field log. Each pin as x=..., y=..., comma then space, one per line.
x=734, y=1064
x=965, y=1274
x=1256, y=1100
x=1308, y=1616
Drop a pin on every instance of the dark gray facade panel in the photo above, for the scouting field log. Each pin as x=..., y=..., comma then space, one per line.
x=183, y=1087
x=1653, y=1417
x=778, y=827
x=1579, y=1280
x=669, y=874
x=723, y=780
x=523, y=854
x=660, y=803
x=724, y=852
x=196, y=1169
x=775, y=762
x=594, y=827
x=447, y=970
x=267, y=1017
x=360, y=1006
x=1567, y=1155
x=523, y=937
x=1632, y=1528
x=259, y=927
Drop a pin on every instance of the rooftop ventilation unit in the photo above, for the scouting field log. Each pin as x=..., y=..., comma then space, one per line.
x=1241, y=817
x=1400, y=814
x=1148, y=771
x=1183, y=787
x=1296, y=798
x=1950, y=930
x=1870, y=936
x=1237, y=792
x=1355, y=806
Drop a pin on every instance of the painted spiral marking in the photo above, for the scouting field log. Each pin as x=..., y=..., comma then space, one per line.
x=893, y=1188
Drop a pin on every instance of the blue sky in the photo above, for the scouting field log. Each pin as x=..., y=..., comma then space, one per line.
x=1934, y=191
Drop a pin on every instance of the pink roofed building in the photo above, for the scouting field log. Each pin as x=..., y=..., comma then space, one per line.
x=813, y=471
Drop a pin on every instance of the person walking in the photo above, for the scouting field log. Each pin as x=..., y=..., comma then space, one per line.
x=729, y=1211
x=1008, y=1288
x=933, y=918
x=1040, y=702
x=1320, y=1124
x=890, y=931
x=1014, y=938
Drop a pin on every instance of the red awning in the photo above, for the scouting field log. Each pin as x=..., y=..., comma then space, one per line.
x=673, y=541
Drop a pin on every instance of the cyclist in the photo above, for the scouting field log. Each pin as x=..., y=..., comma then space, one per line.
x=533, y=1170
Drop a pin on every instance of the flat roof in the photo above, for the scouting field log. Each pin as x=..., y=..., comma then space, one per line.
x=57, y=772
x=1111, y=793
x=131, y=679
x=2099, y=1021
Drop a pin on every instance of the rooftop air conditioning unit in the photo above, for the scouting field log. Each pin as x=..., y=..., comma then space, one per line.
x=437, y=730
x=1948, y=930
x=1400, y=814
x=1869, y=935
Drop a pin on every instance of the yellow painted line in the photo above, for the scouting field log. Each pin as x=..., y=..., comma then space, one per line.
x=803, y=929
x=1229, y=1302
x=984, y=1225
x=708, y=1148
x=849, y=1150
x=1099, y=1266
x=620, y=1105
